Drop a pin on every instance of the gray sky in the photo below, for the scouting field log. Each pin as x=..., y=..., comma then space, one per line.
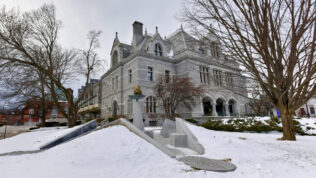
x=109, y=16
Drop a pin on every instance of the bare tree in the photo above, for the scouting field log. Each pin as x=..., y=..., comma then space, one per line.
x=31, y=39
x=21, y=84
x=259, y=102
x=273, y=40
x=175, y=92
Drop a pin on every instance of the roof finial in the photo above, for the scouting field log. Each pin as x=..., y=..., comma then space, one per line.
x=181, y=27
x=116, y=34
x=145, y=31
x=156, y=29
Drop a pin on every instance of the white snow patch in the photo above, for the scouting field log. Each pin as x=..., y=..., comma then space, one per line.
x=34, y=139
x=260, y=155
x=117, y=152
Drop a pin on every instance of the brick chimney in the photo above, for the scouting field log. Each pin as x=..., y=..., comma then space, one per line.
x=137, y=33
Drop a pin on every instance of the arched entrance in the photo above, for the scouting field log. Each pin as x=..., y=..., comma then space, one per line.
x=232, y=107
x=220, y=109
x=207, y=106
x=114, y=106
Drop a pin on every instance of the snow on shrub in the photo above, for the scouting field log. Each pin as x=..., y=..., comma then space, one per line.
x=303, y=126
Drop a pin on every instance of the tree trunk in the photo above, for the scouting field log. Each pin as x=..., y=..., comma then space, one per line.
x=288, y=126
x=72, y=118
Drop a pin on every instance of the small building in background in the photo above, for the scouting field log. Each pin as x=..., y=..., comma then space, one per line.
x=91, y=101
x=31, y=114
x=308, y=109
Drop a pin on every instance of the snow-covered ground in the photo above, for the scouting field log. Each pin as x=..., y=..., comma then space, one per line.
x=33, y=140
x=117, y=152
x=260, y=155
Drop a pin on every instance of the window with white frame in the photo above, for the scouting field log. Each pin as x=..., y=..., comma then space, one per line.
x=214, y=49
x=129, y=106
x=204, y=75
x=150, y=72
x=31, y=111
x=229, y=79
x=151, y=104
x=54, y=112
x=217, y=77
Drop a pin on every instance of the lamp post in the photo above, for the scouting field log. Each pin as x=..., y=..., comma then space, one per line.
x=137, y=112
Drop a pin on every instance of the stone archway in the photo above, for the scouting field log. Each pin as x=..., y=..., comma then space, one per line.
x=232, y=107
x=207, y=106
x=114, y=106
x=220, y=107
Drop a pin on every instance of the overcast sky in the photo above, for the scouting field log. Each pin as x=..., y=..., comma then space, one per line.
x=109, y=16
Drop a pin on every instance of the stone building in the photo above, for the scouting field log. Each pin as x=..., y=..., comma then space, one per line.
x=151, y=55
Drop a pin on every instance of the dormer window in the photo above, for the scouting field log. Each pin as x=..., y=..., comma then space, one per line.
x=115, y=58
x=201, y=51
x=158, y=49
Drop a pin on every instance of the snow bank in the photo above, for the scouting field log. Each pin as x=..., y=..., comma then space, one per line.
x=33, y=140
x=117, y=152
x=260, y=155
x=110, y=152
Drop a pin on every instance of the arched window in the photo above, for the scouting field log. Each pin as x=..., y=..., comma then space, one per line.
x=115, y=58
x=150, y=104
x=129, y=105
x=158, y=49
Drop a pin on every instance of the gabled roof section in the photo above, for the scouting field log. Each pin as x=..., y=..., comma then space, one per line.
x=116, y=42
x=186, y=38
x=156, y=36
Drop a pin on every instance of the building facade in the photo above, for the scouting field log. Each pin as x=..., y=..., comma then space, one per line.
x=150, y=56
x=90, y=104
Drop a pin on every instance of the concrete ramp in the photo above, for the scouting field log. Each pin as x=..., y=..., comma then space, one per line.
x=83, y=129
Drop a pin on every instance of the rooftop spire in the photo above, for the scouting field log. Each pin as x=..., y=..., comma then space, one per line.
x=157, y=29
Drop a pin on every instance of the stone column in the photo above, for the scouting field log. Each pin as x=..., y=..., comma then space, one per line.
x=137, y=115
x=226, y=110
x=214, y=113
x=236, y=111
